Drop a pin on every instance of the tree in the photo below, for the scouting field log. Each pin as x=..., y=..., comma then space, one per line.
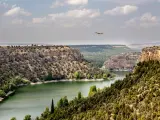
x=79, y=95
x=95, y=76
x=2, y=93
x=65, y=101
x=13, y=118
x=92, y=90
x=105, y=76
x=27, y=117
x=99, y=76
x=88, y=76
x=60, y=103
x=77, y=75
x=52, y=107
x=37, y=118
x=49, y=76
x=46, y=113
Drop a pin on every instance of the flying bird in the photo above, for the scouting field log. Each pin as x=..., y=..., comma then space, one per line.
x=98, y=33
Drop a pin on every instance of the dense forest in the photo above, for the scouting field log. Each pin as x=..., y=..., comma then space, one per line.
x=136, y=97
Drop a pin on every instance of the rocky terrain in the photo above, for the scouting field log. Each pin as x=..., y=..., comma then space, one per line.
x=37, y=63
x=122, y=62
x=150, y=53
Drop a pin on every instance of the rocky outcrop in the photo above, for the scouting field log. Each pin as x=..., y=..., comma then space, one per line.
x=36, y=62
x=150, y=53
x=122, y=62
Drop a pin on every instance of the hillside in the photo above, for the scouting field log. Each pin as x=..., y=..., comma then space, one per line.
x=137, y=97
x=122, y=62
x=42, y=63
x=98, y=54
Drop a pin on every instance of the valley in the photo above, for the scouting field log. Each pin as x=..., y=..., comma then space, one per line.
x=33, y=99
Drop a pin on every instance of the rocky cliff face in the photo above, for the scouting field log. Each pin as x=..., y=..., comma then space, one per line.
x=150, y=53
x=122, y=62
x=35, y=62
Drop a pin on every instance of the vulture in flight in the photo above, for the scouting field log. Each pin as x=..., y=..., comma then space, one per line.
x=98, y=33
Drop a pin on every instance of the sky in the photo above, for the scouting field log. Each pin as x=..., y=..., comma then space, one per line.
x=76, y=21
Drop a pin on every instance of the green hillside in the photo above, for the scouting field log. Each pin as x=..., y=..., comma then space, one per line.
x=137, y=97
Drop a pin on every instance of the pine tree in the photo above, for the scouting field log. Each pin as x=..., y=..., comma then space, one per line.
x=52, y=107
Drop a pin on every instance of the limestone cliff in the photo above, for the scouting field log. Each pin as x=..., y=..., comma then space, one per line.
x=150, y=53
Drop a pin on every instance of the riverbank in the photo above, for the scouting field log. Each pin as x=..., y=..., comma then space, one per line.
x=7, y=95
x=69, y=80
x=44, y=82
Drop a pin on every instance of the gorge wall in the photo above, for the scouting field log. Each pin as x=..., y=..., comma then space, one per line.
x=150, y=53
x=36, y=62
x=122, y=62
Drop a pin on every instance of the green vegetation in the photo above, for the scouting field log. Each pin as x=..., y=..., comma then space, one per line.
x=13, y=118
x=137, y=97
x=45, y=114
x=11, y=84
x=92, y=91
x=100, y=75
x=80, y=95
x=52, y=107
x=2, y=93
x=62, y=102
x=77, y=75
x=48, y=77
x=105, y=77
x=27, y=117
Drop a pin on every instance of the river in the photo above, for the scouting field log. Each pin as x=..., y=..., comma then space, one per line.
x=34, y=99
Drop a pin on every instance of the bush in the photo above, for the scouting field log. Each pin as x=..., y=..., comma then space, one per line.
x=105, y=76
x=2, y=93
x=92, y=90
x=27, y=117
x=76, y=75
x=13, y=118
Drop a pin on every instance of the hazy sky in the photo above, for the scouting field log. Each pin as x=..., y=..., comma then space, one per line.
x=76, y=21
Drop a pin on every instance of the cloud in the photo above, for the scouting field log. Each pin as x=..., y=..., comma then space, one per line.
x=71, y=18
x=57, y=3
x=123, y=10
x=130, y=1
x=83, y=13
x=77, y=13
x=77, y=2
x=16, y=11
x=39, y=20
x=148, y=17
x=146, y=20
x=60, y=3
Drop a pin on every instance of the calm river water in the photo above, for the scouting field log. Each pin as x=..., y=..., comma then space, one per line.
x=34, y=99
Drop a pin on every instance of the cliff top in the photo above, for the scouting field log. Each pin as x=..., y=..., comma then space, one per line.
x=151, y=48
